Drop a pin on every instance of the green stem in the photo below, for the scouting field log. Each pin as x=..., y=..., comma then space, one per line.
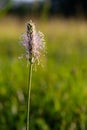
x=28, y=99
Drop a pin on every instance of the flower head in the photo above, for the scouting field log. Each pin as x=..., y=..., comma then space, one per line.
x=33, y=42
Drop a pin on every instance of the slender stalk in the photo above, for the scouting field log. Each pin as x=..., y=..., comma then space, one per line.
x=28, y=99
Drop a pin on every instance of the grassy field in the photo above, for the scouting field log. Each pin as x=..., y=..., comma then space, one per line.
x=59, y=90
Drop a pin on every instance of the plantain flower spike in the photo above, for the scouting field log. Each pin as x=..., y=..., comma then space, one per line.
x=33, y=42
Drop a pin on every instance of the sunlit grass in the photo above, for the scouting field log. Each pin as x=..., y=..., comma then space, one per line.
x=59, y=94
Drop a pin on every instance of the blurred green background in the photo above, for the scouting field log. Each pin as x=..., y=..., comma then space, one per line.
x=59, y=89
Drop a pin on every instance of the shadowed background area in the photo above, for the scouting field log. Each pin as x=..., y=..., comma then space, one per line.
x=59, y=89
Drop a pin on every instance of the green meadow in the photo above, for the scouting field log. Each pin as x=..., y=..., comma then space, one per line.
x=59, y=88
